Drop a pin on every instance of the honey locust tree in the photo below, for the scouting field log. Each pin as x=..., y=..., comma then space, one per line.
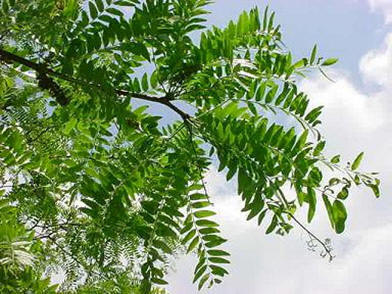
x=95, y=186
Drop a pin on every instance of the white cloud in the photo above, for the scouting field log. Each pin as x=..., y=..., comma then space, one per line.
x=376, y=65
x=358, y=110
x=385, y=6
x=353, y=121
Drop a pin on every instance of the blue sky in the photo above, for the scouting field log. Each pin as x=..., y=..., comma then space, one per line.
x=356, y=118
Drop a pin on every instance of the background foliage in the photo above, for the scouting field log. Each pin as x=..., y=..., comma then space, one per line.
x=96, y=187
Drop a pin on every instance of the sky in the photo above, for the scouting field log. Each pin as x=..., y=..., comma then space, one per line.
x=357, y=117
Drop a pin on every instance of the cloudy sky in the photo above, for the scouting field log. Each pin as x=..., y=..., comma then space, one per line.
x=357, y=117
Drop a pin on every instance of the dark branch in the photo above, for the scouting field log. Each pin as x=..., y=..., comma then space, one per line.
x=48, y=83
x=44, y=80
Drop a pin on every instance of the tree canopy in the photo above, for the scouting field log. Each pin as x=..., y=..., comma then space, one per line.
x=96, y=186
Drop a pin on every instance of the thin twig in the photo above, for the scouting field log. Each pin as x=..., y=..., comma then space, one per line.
x=327, y=250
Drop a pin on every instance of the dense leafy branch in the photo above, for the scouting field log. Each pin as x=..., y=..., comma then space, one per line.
x=107, y=192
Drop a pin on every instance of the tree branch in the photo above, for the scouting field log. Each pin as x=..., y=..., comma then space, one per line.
x=46, y=82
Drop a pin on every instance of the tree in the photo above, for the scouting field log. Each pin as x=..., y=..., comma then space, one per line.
x=97, y=186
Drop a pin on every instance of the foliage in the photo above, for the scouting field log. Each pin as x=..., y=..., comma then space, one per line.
x=99, y=188
x=17, y=251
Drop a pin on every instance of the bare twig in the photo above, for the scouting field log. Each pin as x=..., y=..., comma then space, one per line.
x=328, y=250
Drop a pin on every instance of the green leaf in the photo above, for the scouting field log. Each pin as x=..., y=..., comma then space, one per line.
x=256, y=207
x=260, y=92
x=100, y=5
x=206, y=231
x=273, y=224
x=145, y=82
x=202, y=281
x=215, y=252
x=319, y=148
x=376, y=190
x=261, y=216
x=159, y=281
x=193, y=244
x=154, y=79
x=339, y=216
x=312, y=200
x=220, y=271
x=198, y=196
x=200, y=204
x=329, y=209
x=231, y=173
x=199, y=273
x=206, y=223
x=271, y=94
x=218, y=260
x=299, y=64
x=115, y=11
x=343, y=194
x=301, y=141
x=252, y=108
x=204, y=213
x=313, y=55
x=329, y=61
x=313, y=114
x=93, y=10
x=357, y=161
x=189, y=236
x=215, y=243
x=265, y=18
x=335, y=159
